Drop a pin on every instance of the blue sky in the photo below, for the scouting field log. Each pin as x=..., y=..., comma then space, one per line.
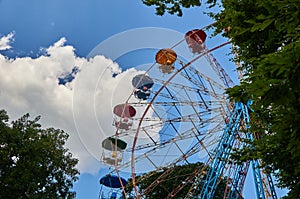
x=83, y=23
x=71, y=29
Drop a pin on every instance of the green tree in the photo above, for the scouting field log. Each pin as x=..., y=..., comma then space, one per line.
x=174, y=6
x=267, y=39
x=172, y=178
x=266, y=34
x=33, y=160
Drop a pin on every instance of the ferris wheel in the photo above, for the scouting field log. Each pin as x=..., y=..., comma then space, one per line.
x=178, y=115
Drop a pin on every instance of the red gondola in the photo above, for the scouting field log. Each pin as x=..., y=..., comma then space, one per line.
x=195, y=39
x=124, y=111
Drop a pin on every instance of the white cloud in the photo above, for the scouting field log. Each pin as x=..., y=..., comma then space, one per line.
x=6, y=41
x=83, y=108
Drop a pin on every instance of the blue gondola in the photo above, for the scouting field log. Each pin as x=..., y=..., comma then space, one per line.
x=142, y=82
x=112, y=181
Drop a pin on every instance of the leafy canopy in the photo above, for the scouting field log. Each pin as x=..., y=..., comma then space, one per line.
x=33, y=160
x=168, y=180
x=266, y=39
x=174, y=6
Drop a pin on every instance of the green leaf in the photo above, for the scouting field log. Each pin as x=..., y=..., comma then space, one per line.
x=250, y=21
x=262, y=26
x=262, y=16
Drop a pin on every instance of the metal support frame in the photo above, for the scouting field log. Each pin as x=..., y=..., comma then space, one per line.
x=237, y=125
x=222, y=152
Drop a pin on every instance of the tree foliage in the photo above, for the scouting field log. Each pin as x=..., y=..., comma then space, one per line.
x=33, y=160
x=174, y=6
x=266, y=39
x=171, y=181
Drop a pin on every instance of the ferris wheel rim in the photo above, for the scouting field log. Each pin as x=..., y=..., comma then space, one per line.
x=150, y=103
x=148, y=106
x=117, y=131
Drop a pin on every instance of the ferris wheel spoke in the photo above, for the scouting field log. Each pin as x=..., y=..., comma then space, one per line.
x=197, y=147
x=146, y=156
x=193, y=78
x=219, y=70
x=163, y=177
x=166, y=107
x=201, y=80
x=193, y=150
x=186, y=85
x=158, y=123
x=183, y=118
x=158, y=180
x=175, y=103
x=210, y=84
x=190, y=133
x=198, y=87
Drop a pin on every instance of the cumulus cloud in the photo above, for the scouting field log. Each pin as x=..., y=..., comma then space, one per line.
x=83, y=107
x=6, y=41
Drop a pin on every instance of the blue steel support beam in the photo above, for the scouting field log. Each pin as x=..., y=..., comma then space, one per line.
x=258, y=180
x=238, y=181
x=272, y=187
x=239, y=119
x=222, y=152
x=242, y=170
